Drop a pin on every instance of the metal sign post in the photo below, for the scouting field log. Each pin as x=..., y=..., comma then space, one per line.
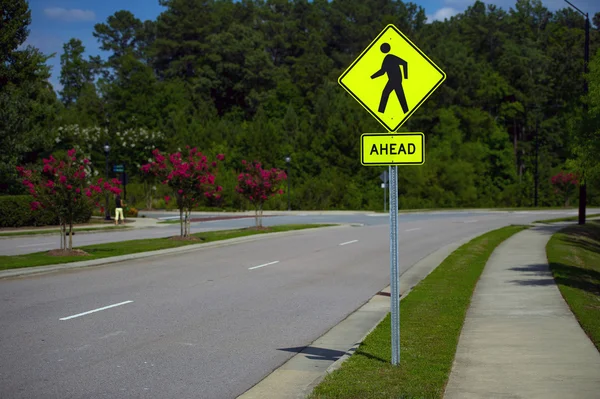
x=394, y=274
x=371, y=79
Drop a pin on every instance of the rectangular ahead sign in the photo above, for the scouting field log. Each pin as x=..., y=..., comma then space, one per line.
x=392, y=149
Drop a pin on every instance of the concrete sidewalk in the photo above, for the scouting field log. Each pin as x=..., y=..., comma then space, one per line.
x=520, y=339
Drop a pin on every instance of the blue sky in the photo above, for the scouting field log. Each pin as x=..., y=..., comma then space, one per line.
x=54, y=22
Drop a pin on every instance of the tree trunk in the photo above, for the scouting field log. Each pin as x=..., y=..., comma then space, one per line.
x=260, y=213
x=71, y=234
x=181, y=222
x=62, y=233
x=187, y=222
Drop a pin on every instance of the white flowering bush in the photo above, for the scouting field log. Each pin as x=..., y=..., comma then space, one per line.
x=132, y=146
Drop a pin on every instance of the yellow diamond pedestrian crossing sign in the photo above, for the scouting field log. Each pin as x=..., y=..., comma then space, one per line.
x=391, y=78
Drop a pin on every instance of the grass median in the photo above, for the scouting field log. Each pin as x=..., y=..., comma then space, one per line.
x=431, y=319
x=574, y=256
x=566, y=219
x=135, y=246
x=57, y=231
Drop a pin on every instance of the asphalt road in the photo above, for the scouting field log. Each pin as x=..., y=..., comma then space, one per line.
x=204, y=324
x=29, y=244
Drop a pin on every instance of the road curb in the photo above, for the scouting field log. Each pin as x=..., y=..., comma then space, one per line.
x=27, y=271
x=299, y=375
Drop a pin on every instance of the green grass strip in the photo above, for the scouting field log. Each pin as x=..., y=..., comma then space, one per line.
x=574, y=256
x=431, y=319
x=566, y=219
x=57, y=231
x=135, y=246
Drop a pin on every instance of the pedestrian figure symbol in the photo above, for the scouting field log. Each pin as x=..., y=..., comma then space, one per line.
x=391, y=66
x=379, y=75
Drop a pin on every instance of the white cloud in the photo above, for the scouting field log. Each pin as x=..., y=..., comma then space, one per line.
x=73, y=14
x=442, y=14
x=589, y=6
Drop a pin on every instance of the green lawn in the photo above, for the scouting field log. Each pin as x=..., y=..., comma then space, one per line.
x=134, y=246
x=567, y=219
x=431, y=319
x=574, y=256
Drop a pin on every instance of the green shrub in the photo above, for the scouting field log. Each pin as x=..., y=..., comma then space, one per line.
x=15, y=211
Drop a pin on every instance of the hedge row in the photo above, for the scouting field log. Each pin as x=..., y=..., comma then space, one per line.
x=15, y=211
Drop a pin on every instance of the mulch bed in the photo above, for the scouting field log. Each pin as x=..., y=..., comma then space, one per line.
x=189, y=238
x=66, y=252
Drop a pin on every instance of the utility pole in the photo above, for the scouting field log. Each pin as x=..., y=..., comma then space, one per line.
x=586, y=59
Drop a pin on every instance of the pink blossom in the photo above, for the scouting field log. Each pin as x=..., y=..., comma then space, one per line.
x=77, y=190
x=221, y=157
x=71, y=152
x=63, y=179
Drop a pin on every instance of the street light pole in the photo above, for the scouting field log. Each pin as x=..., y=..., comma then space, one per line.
x=586, y=59
x=287, y=161
x=106, y=151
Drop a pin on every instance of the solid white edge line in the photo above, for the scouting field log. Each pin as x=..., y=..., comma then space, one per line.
x=95, y=310
x=349, y=242
x=417, y=228
x=266, y=264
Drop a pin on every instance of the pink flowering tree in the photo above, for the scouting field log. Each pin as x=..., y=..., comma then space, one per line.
x=257, y=185
x=190, y=177
x=63, y=186
x=565, y=184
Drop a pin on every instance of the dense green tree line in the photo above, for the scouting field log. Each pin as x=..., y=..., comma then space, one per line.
x=258, y=80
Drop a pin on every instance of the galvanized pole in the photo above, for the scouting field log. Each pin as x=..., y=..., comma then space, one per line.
x=394, y=275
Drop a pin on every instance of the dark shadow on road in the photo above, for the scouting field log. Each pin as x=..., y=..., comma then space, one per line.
x=332, y=354
x=316, y=353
